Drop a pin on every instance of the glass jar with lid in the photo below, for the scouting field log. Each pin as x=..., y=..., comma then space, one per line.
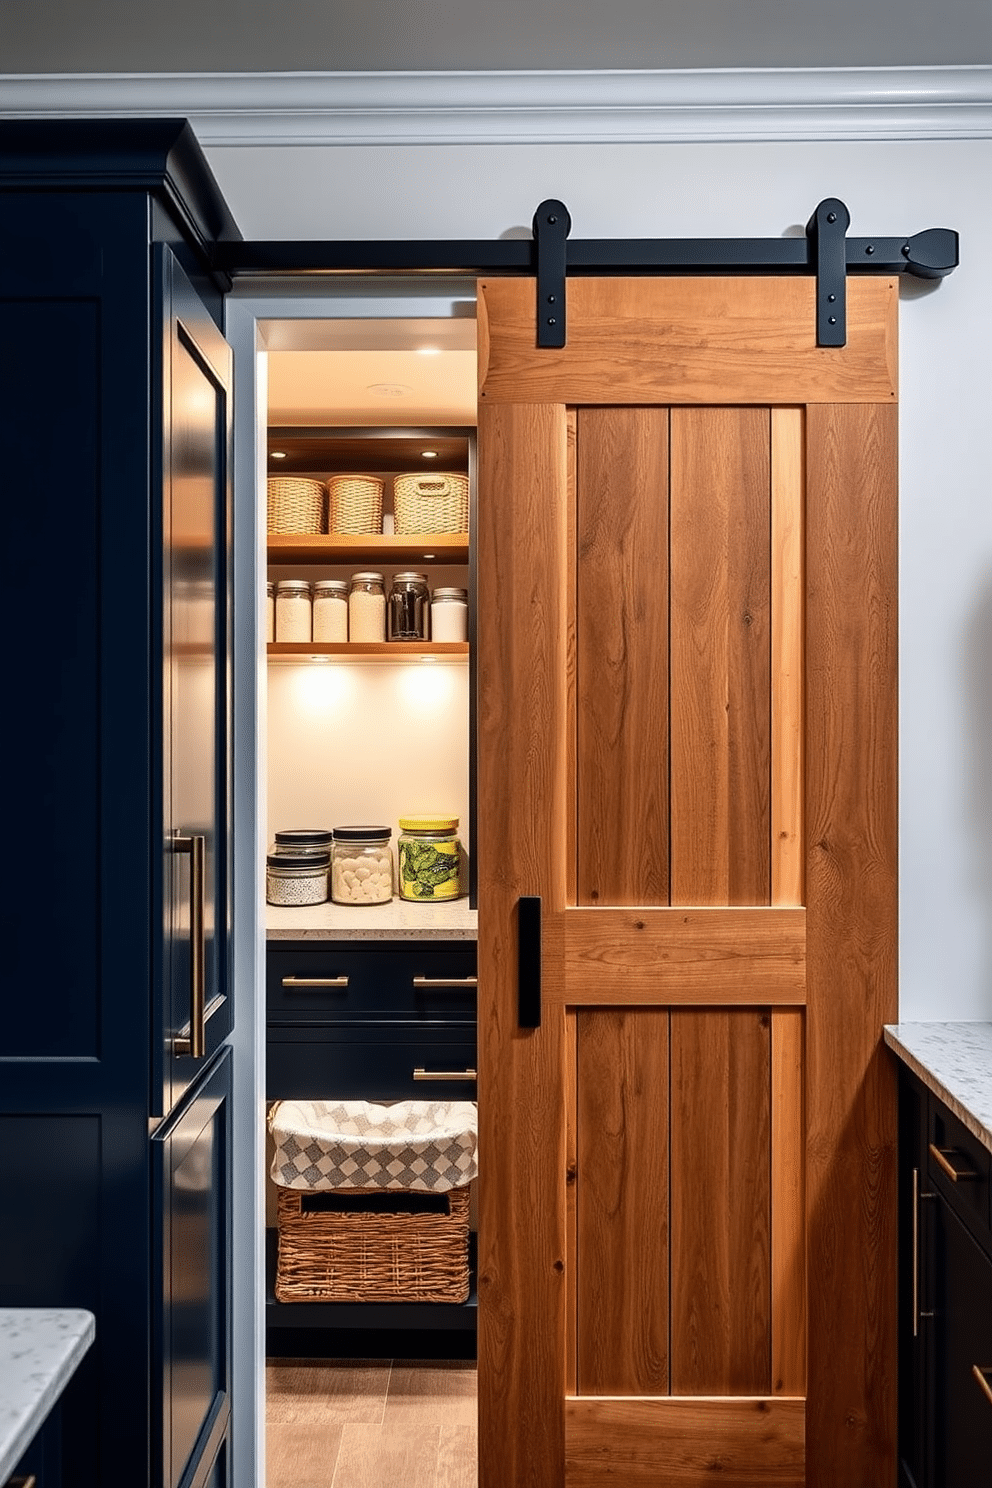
x=449, y=614
x=366, y=607
x=294, y=879
x=330, y=610
x=429, y=858
x=294, y=611
x=362, y=865
x=303, y=842
x=409, y=607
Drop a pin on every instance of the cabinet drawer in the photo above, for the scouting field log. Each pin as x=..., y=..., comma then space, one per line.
x=349, y=1064
x=345, y=983
x=959, y=1166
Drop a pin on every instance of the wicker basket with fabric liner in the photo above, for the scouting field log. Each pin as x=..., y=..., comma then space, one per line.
x=372, y=1245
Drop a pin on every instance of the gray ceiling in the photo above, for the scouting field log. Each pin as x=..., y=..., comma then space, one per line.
x=389, y=35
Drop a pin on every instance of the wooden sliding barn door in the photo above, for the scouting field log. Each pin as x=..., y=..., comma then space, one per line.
x=686, y=633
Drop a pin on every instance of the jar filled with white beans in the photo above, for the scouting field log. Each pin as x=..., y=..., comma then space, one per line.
x=294, y=611
x=362, y=865
x=366, y=607
x=330, y=610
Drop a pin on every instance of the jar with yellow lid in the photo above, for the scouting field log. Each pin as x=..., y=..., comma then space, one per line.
x=429, y=858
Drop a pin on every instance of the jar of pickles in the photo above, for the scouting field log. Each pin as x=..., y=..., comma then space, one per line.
x=361, y=865
x=429, y=858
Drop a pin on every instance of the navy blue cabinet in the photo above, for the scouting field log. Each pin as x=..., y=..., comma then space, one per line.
x=945, y=1405
x=379, y=1021
x=113, y=441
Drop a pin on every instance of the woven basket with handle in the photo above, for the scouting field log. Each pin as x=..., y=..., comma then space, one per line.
x=295, y=504
x=376, y=1246
x=431, y=503
x=354, y=503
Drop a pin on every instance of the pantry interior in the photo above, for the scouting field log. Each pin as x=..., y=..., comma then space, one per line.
x=364, y=732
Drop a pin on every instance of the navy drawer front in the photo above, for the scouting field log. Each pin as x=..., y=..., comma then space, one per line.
x=344, y=984
x=322, y=1063
x=961, y=1169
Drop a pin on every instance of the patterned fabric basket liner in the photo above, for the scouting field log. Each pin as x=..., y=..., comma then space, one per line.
x=431, y=503
x=423, y=1146
x=354, y=503
x=295, y=504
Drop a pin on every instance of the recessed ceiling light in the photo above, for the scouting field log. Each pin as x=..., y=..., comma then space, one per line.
x=277, y=454
x=389, y=389
x=430, y=555
x=428, y=351
x=428, y=454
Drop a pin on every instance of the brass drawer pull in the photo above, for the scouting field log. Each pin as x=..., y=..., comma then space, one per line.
x=422, y=981
x=309, y=983
x=944, y=1157
x=981, y=1376
x=423, y=1074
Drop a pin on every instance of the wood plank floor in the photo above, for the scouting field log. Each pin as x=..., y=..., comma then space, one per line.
x=381, y=1424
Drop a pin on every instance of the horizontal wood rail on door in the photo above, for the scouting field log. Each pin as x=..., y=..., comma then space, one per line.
x=748, y=957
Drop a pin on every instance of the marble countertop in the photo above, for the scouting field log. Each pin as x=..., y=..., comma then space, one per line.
x=40, y=1349
x=954, y=1060
x=400, y=919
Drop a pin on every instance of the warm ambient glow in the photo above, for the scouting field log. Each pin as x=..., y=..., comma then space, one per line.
x=428, y=351
x=428, y=454
x=277, y=455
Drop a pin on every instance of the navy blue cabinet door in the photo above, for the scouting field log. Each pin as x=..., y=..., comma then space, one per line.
x=964, y=1320
x=196, y=693
x=191, y=1157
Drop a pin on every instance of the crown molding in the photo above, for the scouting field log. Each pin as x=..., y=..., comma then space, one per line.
x=475, y=108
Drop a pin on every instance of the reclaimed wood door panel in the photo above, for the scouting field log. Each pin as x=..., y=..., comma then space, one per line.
x=720, y=655
x=621, y=1253
x=720, y=1202
x=622, y=646
x=659, y=612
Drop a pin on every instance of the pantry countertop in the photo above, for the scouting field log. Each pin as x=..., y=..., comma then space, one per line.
x=954, y=1061
x=40, y=1349
x=400, y=919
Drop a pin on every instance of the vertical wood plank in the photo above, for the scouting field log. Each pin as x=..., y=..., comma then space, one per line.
x=720, y=1203
x=571, y=768
x=787, y=620
x=622, y=646
x=851, y=866
x=623, y=1308
x=571, y=1203
x=788, y=1205
x=720, y=655
x=522, y=833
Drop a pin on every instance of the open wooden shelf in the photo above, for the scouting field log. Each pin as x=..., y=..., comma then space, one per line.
x=366, y=650
x=316, y=548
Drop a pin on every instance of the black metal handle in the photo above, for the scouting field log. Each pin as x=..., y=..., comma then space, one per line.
x=529, y=961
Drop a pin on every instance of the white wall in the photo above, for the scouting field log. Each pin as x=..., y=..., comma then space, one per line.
x=946, y=442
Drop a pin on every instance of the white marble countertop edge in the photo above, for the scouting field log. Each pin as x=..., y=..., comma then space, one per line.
x=954, y=1061
x=40, y=1350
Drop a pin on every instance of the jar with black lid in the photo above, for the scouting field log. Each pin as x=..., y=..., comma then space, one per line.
x=409, y=608
x=303, y=842
x=293, y=879
x=362, y=865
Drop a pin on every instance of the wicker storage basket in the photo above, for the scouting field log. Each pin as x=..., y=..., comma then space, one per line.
x=354, y=503
x=296, y=504
x=372, y=1245
x=431, y=503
